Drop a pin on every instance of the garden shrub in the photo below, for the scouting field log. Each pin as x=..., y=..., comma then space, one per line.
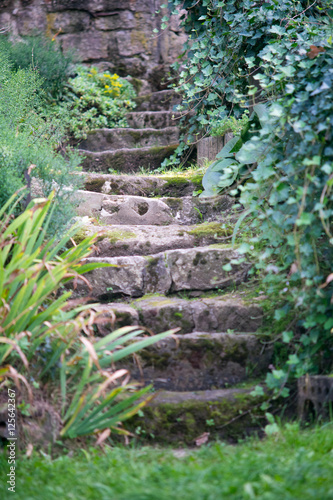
x=48, y=338
x=241, y=54
x=45, y=56
x=96, y=99
x=30, y=142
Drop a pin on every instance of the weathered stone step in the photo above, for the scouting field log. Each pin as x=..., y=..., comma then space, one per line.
x=158, y=101
x=129, y=210
x=180, y=418
x=153, y=119
x=160, y=313
x=166, y=272
x=106, y=139
x=200, y=361
x=126, y=160
x=148, y=186
x=114, y=241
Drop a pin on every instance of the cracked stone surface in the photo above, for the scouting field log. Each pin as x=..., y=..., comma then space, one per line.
x=166, y=272
x=139, y=210
x=126, y=160
x=141, y=239
x=201, y=361
x=139, y=185
x=106, y=139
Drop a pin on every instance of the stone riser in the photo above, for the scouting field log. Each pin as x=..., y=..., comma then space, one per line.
x=106, y=139
x=126, y=160
x=117, y=241
x=153, y=119
x=164, y=100
x=166, y=272
x=179, y=418
x=200, y=361
x=141, y=185
x=159, y=314
x=136, y=210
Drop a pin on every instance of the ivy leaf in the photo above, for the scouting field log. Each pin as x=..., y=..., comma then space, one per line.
x=207, y=71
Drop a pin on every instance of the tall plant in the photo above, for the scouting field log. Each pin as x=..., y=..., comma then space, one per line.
x=280, y=53
x=45, y=335
x=29, y=143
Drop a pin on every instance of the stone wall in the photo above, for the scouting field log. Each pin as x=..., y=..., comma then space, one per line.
x=115, y=34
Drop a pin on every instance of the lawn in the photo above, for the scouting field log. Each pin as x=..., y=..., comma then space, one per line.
x=290, y=465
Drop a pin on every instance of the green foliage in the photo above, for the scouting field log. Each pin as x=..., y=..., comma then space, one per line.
x=281, y=53
x=231, y=165
x=217, y=76
x=230, y=124
x=45, y=56
x=290, y=198
x=96, y=100
x=30, y=142
x=42, y=329
x=290, y=465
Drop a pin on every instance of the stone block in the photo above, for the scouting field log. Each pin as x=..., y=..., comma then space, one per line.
x=89, y=45
x=200, y=361
x=70, y=21
x=118, y=20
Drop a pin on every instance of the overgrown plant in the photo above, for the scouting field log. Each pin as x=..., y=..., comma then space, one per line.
x=46, y=336
x=217, y=74
x=43, y=55
x=241, y=53
x=30, y=144
x=96, y=99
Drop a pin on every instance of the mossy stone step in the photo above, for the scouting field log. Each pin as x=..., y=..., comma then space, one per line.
x=160, y=313
x=138, y=210
x=180, y=418
x=158, y=101
x=115, y=241
x=200, y=361
x=126, y=160
x=153, y=119
x=106, y=139
x=140, y=185
x=199, y=268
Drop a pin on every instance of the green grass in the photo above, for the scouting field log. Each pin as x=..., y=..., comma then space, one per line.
x=291, y=465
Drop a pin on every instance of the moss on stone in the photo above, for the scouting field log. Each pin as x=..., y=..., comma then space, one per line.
x=137, y=84
x=154, y=358
x=118, y=234
x=94, y=184
x=184, y=421
x=81, y=235
x=174, y=203
x=210, y=229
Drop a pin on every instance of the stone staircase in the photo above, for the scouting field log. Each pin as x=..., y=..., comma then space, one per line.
x=172, y=267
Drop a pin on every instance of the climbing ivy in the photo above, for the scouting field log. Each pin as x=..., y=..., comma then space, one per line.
x=279, y=53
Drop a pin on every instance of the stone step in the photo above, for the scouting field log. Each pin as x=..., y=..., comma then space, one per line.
x=165, y=272
x=200, y=361
x=114, y=241
x=138, y=210
x=126, y=160
x=148, y=186
x=153, y=119
x=163, y=100
x=106, y=139
x=180, y=418
x=159, y=314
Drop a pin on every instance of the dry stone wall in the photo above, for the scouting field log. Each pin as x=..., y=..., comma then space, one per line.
x=116, y=34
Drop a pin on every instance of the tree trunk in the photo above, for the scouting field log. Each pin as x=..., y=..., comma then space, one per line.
x=209, y=147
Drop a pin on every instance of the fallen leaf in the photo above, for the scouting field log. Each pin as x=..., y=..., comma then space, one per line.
x=314, y=51
x=103, y=436
x=30, y=448
x=199, y=441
